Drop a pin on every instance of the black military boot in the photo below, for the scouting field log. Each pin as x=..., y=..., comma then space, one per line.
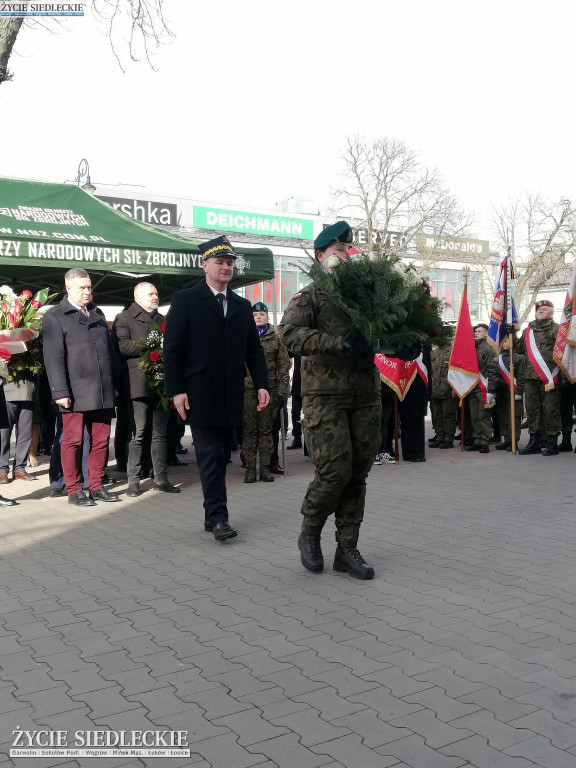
x=533, y=445
x=265, y=475
x=348, y=560
x=566, y=444
x=310, y=553
x=250, y=476
x=550, y=447
x=507, y=444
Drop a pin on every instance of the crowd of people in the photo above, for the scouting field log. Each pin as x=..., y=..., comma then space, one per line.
x=227, y=372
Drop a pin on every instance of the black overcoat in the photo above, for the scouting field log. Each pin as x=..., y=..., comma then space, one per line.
x=130, y=326
x=78, y=357
x=205, y=354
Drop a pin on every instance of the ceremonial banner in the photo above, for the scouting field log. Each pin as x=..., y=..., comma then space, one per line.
x=463, y=372
x=565, y=346
x=498, y=317
x=397, y=374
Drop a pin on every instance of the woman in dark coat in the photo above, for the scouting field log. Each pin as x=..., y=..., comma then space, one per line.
x=412, y=411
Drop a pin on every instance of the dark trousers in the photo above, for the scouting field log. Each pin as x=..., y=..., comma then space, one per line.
x=212, y=446
x=174, y=433
x=55, y=472
x=151, y=422
x=20, y=415
x=97, y=424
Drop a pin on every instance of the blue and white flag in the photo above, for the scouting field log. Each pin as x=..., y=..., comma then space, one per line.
x=503, y=308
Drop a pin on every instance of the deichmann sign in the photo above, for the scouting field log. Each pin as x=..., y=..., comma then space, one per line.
x=252, y=223
x=160, y=214
x=457, y=246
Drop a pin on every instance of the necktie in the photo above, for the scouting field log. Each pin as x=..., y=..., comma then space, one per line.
x=84, y=311
x=220, y=298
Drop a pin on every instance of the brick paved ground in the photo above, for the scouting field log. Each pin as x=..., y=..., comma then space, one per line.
x=461, y=652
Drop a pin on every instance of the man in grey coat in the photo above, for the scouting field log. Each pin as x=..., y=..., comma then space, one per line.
x=149, y=418
x=79, y=362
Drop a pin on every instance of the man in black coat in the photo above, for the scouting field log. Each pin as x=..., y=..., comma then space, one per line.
x=78, y=358
x=150, y=419
x=210, y=336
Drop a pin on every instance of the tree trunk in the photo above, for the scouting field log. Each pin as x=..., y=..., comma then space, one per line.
x=9, y=28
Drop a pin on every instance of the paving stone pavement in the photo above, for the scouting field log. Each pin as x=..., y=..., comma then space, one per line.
x=461, y=652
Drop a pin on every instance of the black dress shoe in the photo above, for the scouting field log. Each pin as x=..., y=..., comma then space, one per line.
x=223, y=531
x=7, y=502
x=57, y=492
x=81, y=500
x=107, y=480
x=103, y=494
x=174, y=461
x=166, y=486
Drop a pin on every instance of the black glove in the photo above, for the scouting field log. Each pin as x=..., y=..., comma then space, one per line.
x=410, y=352
x=355, y=346
x=509, y=329
x=281, y=401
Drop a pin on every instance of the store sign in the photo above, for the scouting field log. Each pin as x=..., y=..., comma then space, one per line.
x=163, y=214
x=452, y=246
x=379, y=237
x=252, y=223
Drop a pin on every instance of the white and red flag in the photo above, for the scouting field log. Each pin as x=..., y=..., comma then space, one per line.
x=463, y=372
x=397, y=374
x=565, y=346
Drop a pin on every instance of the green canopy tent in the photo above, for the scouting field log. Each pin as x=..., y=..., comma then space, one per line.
x=46, y=229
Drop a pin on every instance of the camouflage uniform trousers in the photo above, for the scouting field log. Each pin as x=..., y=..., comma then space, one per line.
x=503, y=407
x=444, y=417
x=342, y=434
x=480, y=416
x=542, y=408
x=257, y=426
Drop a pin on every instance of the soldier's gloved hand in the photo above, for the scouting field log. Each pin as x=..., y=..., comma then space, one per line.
x=410, y=352
x=281, y=401
x=509, y=329
x=355, y=346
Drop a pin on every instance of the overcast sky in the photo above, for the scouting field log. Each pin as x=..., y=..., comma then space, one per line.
x=251, y=101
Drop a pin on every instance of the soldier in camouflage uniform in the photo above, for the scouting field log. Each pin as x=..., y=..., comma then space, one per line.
x=257, y=428
x=503, y=394
x=444, y=404
x=341, y=415
x=479, y=414
x=542, y=398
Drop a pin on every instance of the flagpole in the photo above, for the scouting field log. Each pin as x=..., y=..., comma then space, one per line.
x=508, y=299
x=396, y=450
x=465, y=272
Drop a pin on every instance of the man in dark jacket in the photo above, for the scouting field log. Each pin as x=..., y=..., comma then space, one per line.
x=210, y=336
x=150, y=419
x=78, y=359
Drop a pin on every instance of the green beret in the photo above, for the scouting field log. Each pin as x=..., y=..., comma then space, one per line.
x=259, y=307
x=340, y=231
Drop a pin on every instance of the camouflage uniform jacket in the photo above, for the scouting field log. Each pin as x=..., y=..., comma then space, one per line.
x=487, y=363
x=313, y=326
x=440, y=358
x=545, y=338
x=519, y=373
x=277, y=363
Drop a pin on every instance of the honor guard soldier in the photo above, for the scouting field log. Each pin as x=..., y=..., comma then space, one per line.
x=341, y=414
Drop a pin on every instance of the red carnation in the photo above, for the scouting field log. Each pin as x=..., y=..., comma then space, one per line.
x=35, y=304
x=155, y=356
x=26, y=295
x=162, y=327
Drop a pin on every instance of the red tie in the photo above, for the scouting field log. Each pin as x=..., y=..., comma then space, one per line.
x=85, y=311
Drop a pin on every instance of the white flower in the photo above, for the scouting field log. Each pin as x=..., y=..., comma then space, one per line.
x=332, y=261
x=5, y=290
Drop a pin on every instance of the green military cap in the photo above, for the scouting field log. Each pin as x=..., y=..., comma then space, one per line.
x=341, y=231
x=259, y=307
